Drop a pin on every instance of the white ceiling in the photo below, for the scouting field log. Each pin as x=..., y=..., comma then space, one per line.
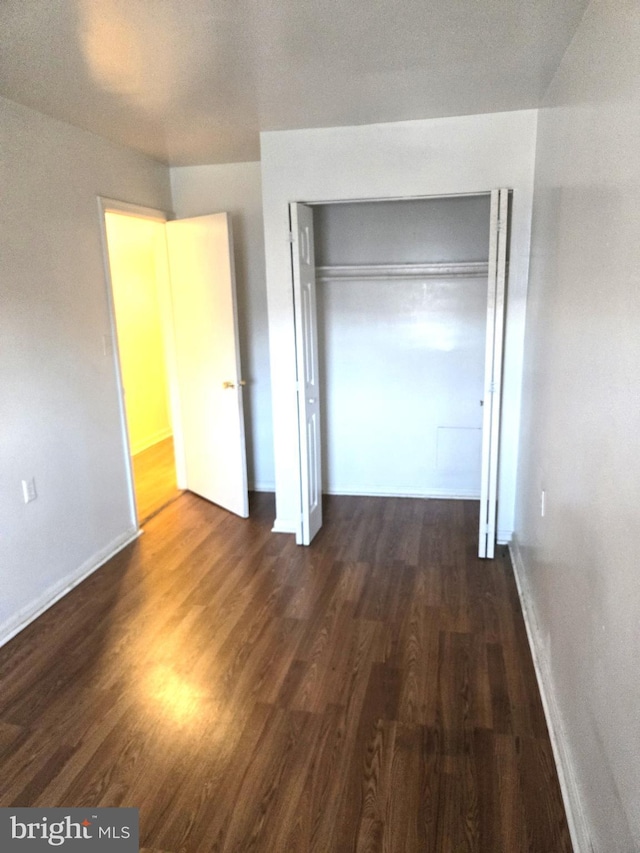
x=194, y=81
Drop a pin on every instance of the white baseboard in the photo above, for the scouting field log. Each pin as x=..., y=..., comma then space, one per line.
x=28, y=614
x=262, y=487
x=282, y=525
x=433, y=494
x=148, y=442
x=578, y=828
x=503, y=537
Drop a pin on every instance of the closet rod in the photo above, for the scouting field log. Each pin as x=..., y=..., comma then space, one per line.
x=464, y=269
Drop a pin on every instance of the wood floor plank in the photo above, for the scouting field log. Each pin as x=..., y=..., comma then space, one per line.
x=418, y=664
x=373, y=692
x=485, y=770
x=432, y=806
x=404, y=824
x=511, y=799
x=9, y=736
x=266, y=803
x=500, y=702
x=376, y=787
x=546, y=826
x=154, y=473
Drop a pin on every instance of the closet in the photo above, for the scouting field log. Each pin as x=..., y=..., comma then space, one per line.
x=401, y=311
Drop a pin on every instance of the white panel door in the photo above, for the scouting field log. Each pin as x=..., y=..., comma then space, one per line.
x=498, y=246
x=308, y=387
x=211, y=435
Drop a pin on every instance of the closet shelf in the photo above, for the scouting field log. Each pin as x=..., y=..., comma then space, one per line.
x=404, y=272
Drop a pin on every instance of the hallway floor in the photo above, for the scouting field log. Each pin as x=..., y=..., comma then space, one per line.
x=154, y=474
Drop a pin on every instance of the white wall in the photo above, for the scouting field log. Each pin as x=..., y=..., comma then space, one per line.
x=59, y=418
x=578, y=565
x=401, y=159
x=402, y=361
x=236, y=188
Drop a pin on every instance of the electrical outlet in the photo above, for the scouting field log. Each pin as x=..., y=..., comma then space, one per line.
x=543, y=502
x=29, y=490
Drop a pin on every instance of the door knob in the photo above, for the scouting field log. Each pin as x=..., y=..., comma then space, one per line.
x=228, y=384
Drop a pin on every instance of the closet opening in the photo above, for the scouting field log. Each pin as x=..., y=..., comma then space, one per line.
x=403, y=302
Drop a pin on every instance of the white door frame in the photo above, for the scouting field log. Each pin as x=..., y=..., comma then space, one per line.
x=495, y=440
x=110, y=205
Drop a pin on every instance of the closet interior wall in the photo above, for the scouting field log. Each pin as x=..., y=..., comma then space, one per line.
x=401, y=296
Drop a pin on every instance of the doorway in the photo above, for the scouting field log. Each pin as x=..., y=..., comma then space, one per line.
x=445, y=383
x=137, y=264
x=195, y=338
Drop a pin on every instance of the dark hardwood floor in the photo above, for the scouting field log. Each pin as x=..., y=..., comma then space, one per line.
x=154, y=474
x=373, y=692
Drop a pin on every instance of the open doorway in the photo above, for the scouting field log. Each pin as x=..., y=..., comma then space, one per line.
x=176, y=331
x=137, y=266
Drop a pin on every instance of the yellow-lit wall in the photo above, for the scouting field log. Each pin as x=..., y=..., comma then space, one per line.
x=132, y=259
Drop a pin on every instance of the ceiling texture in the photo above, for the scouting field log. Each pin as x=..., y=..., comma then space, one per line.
x=195, y=81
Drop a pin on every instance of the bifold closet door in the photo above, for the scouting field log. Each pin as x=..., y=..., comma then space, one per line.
x=308, y=386
x=496, y=286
